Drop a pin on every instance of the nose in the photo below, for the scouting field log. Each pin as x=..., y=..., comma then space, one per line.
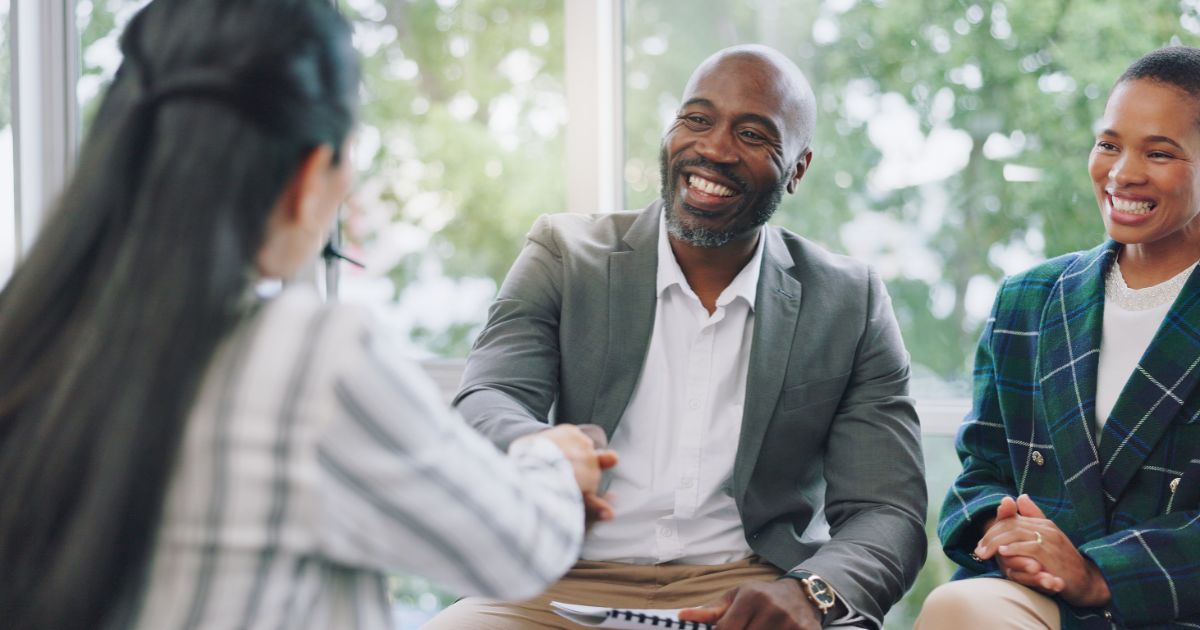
x=1127, y=170
x=717, y=146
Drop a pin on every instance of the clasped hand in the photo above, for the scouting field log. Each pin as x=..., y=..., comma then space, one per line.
x=1032, y=551
x=587, y=462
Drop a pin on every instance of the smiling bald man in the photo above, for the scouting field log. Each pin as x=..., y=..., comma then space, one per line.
x=754, y=385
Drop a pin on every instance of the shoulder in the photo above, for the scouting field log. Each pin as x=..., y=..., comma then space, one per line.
x=816, y=266
x=1042, y=278
x=570, y=232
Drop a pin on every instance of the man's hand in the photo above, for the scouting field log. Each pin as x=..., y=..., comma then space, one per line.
x=778, y=605
x=1062, y=569
x=586, y=462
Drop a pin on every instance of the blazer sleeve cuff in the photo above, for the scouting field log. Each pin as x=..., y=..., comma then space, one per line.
x=963, y=516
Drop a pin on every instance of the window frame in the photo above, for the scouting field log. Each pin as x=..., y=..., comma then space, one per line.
x=46, y=67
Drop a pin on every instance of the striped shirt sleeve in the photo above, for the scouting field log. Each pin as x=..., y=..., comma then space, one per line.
x=406, y=485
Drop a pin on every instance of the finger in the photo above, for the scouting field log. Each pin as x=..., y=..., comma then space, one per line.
x=606, y=459
x=1024, y=579
x=1050, y=583
x=998, y=538
x=999, y=527
x=1026, y=548
x=703, y=614
x=710, y=612
x=599, y=507
x=1022, y=564
x=1026, y=507
x=1007, y=509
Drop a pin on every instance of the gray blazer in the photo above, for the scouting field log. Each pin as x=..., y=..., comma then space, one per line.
x=829, y=433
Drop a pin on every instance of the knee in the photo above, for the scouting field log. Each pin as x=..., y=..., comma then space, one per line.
x=950, y=606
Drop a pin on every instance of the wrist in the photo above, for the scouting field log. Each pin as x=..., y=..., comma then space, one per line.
x=817, y=592
x=1096, y=594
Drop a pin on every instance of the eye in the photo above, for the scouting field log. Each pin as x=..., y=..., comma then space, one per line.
x=694, y=120
x=1105, y=145
x=752, y=135
x=1160, y=155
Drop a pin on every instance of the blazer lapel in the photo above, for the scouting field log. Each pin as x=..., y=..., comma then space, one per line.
x=631, y=302
x=1068, y=353
x=1151, y=398
x=776, y=307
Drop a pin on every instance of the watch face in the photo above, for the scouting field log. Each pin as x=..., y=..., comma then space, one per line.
x=820, y=593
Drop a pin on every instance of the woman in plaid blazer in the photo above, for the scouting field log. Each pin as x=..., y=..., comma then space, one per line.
x=1080, y=490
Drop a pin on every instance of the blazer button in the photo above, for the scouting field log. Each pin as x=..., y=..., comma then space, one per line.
x=1175, y=484
x=1038, y=459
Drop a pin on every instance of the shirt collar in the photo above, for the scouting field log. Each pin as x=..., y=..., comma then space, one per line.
x=744, y=285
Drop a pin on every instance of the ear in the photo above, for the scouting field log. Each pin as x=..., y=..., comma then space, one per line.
x=302, y=198
x=801, y=168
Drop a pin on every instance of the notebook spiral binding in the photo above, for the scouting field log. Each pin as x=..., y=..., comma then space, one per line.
x=654, y=620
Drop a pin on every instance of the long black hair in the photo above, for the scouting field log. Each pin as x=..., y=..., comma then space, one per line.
x=107, y=327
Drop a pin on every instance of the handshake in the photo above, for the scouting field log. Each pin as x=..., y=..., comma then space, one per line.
x=585, y=447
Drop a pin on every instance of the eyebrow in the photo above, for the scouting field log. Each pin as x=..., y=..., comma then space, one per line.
x=752, y=117
x=1165, y=139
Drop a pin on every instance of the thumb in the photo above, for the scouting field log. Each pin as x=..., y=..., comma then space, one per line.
x=710, y=612
x=1027, y=507
x=607, y=459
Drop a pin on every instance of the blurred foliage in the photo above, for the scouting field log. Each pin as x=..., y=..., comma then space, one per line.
x=1029, y=76
x=1028, y=73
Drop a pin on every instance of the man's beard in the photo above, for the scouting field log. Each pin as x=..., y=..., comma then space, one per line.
x=679, y=222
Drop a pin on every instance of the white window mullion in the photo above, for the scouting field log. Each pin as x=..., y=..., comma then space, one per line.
x=45, y=69
x=595, y=123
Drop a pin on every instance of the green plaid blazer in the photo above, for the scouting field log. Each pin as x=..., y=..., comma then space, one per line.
x=1129, y=498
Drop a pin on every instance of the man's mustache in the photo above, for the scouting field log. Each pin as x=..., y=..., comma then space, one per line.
x=724, y=170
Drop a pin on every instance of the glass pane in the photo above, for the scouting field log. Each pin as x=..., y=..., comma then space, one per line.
x=8, y=182
x=951, y=147
x=951, y=143
x=941, y=467
x=461, y=147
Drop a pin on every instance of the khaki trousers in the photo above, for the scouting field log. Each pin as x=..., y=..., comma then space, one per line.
x=606, y=584
x=987, y=604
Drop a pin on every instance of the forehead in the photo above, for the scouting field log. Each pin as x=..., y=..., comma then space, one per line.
x=1142, y=107
x=745, y=85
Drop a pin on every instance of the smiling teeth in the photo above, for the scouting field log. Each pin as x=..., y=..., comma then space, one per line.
x=712, y=188
x=1131, y=207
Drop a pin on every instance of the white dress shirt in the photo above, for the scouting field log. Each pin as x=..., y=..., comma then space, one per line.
x=679, y=434
x=316, y=459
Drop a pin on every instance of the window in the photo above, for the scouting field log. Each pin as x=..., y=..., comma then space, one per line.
x=8, y=181
x=461, y=146
x=100, y=24
x=951, y=149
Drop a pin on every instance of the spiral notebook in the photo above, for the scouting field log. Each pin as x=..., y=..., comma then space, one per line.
x=604, y=617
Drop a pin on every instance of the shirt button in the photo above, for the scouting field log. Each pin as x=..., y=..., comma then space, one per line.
x=1175, y=484
x=1037, y=458
x=688, y=483
x=667, y=532
x=694, y=404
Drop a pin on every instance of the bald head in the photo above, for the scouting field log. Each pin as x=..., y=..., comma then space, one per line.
x=777, y=77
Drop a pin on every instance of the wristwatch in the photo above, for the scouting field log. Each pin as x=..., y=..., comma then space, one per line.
x=818, y=591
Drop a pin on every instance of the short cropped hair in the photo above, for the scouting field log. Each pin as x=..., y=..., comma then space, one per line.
x=1174, y=65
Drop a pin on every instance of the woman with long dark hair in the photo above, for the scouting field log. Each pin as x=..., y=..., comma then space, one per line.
x=177, y=453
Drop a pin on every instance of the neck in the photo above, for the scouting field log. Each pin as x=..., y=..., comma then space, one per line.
x=709, y=270
x=1147, y=264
